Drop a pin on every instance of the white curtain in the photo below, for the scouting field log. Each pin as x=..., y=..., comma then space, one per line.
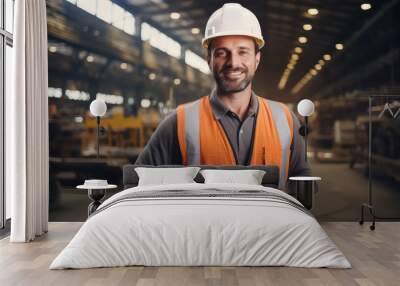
x=27, y=123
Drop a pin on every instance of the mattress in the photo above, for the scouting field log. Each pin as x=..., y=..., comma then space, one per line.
x=201, y=225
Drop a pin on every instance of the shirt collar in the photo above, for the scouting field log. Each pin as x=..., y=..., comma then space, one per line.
x=219, y=109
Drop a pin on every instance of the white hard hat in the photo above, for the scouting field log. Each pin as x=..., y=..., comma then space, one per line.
x=233, y=19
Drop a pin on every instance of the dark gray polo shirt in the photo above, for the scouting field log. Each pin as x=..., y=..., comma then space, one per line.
x=239, y=133
x=163, y=146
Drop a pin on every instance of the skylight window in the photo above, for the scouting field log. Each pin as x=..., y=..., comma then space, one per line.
x=87, y=5
x=117, y=16
x=196, y=61
x=160, y=41
x=104, y=10
x=109, y=12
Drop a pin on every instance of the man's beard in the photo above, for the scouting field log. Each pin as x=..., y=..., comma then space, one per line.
x=225, y=86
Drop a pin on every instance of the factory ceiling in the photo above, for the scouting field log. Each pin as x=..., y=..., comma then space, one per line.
x=314, y=48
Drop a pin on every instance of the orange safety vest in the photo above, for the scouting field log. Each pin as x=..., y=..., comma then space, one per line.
x=202, y=139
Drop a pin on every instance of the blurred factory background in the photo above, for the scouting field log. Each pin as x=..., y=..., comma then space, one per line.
x=145, y=57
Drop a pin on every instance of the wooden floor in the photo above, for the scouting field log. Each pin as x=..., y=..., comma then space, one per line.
x=375, y=256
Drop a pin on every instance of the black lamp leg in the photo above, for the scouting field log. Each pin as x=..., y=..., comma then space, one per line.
x=98, y=135
x=305, y=135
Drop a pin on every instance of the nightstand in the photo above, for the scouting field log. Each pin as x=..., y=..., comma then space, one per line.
x=304, y=189
x=96, y=192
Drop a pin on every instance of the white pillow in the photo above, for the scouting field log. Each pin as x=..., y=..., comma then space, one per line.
x=248, y=177
x=163, y=176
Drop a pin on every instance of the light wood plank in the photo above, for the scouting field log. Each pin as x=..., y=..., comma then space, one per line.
x=375, y=257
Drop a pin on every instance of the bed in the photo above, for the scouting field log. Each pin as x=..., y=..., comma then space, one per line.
x=201, y=224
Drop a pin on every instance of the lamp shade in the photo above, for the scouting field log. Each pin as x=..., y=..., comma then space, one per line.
x=305, y=107
x=98, y=107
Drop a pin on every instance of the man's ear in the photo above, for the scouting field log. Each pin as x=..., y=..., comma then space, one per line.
x=209, y=55
x=209, y=59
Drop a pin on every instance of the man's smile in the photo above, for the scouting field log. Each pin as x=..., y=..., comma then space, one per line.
x=233, y=74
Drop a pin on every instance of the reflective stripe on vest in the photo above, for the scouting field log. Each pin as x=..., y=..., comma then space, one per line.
x=189, y=122
x=285, y=137
x=271, y=145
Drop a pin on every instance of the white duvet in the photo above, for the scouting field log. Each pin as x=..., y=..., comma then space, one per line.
x=200, y=231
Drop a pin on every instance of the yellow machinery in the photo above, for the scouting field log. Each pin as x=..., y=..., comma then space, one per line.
x=122, y=131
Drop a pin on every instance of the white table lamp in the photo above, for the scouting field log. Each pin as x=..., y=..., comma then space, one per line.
x=98, y=108
x=305, y=109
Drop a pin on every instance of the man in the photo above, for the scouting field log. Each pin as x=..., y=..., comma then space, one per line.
x=232, y=125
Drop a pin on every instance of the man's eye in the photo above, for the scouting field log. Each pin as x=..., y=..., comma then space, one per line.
x=243, y=53
x=220, y=54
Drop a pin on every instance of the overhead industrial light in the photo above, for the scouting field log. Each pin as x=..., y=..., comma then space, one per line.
x=145, y=103
x=318, y=67
x=123, y=66
x=177, y=81
x=307, y=27
x=78, y=119
x=152, y=76
x=339, y=46
x=195, y=31
x=284, y=79
x=327, y=57
x=53, y=49
x=302, y=40
x=313, y=11
x=366, y=6
x=175, y=15
x=290, y=66
x=313, y=72
x=321, y=62
x=295, y=57
x=298, y=50
x=90, y=59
